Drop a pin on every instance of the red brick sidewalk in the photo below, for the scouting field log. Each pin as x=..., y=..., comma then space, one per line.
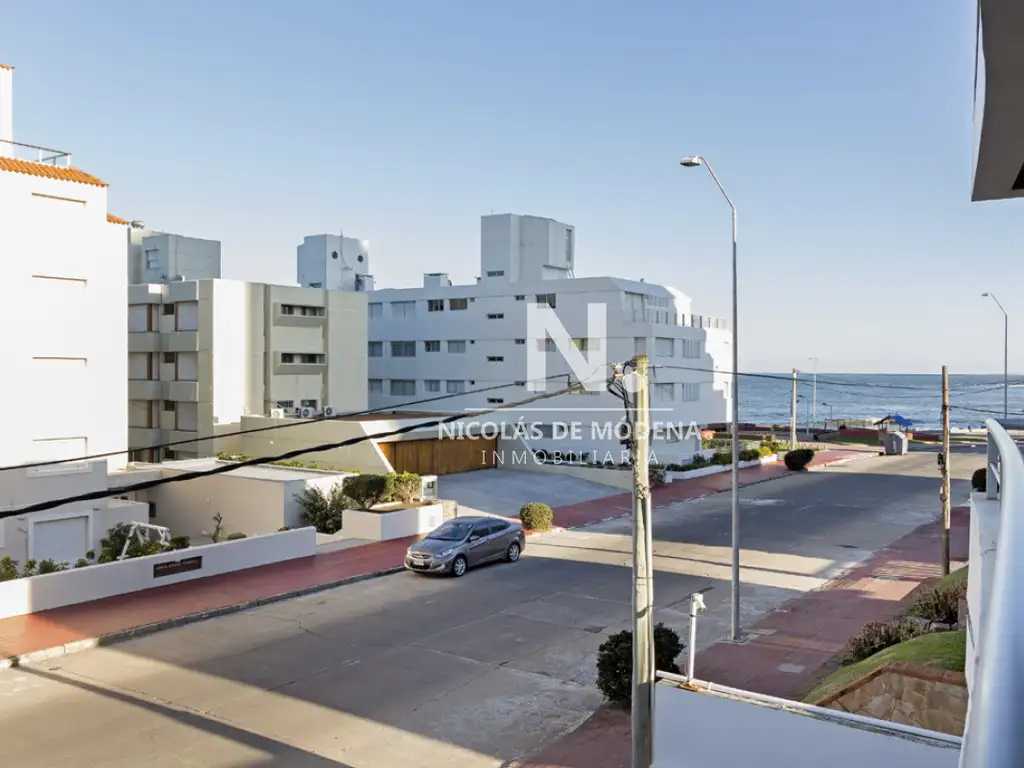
x=59, y=630
x=789, y=648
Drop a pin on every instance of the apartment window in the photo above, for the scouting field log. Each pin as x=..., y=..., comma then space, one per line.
x=287, y=309
x=456, y=347
x=375, y=349
x=520, y=297
x=169, y=406
x=520, y=342
x=187, y=318
x=546, y=345
x=664, y=347
x=375, y=309
x=496, y=316
x=587, y=345
x=152, y=258
x=691, y=392
x=287, y=358
x=455, y=387
x=568, y=246
x=691, y=348
x=520, y=383
x=435, y=305
x=495, y=359
x=169, y=358
x=403, y=387
x=432, y=385
x=304, y=311
x=312, y=359
x=308, y=403
x=285, y=404
x=187, y=367
x=431, y=346
x=665, y=393
x=375, y=386
x=403, y=349
x=403, y=308
x=495, y=400
x=169, y=455
x=138, y=318
x=546, y=298
x=496, y=273
x=456, y=304
x=168, y=309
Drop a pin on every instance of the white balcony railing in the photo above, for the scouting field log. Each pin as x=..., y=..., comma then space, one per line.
x=667, y=317
x=993, y=736
x=34, y=154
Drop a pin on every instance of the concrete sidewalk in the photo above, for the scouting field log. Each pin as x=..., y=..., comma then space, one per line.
x=787, y=651
x=38, y=636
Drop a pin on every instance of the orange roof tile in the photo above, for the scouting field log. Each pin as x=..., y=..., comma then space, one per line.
x=111, y=218
x=50, y=171
x=6, y=66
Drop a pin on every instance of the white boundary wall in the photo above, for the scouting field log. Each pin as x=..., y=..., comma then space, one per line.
x=397, y=524
x=95, y=582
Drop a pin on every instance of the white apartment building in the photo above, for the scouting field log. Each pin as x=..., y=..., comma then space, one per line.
x=62, y=295
x=160, y=257
x=445, y=339
x=334, y=262
x=204, y=353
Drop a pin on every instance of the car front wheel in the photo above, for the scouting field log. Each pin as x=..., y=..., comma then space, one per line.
x=459, y=566
x=513, y=552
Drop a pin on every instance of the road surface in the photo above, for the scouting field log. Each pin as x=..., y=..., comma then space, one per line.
x=418, y=671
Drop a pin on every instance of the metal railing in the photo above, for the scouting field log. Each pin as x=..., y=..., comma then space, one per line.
x=993, y=736
x=667, y=317
x=34, y=154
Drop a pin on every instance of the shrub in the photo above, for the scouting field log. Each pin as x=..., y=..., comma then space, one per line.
x=879, y=635
x=798, y=459
x=324, y=510
x=979, y=480
x=698, y=462
x=750, y=454
x=284, y=528
x=8, y=568
x=236, y=536
x=81, y=563
x=112, y=546
x=940, y=605
x=536, y=516
x=721, y=458
x=50, y=566
x=655, y=476
x=404, y=487
x=366, y=491
x=615, y=661
x=180, y=542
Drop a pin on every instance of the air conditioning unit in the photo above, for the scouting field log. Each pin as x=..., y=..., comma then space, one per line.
x=277, y=413
x=329, y=412
x=308, y=413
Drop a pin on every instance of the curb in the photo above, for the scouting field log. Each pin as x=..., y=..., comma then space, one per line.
x=33, y=657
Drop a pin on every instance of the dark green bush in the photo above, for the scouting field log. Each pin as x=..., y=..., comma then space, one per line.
x=979, y=480
x=113, y=544
x=325, y=510
x=404, y=487
x=940, y=605
x=236, y=536
x=50, y=566
x=615, y=661
x=8, y=568
x=536, y=516
x=180, y=542
x=367, y=491
x=750, y=454
x=79, y=563
x=798, y=459
x=722, y=458
x=879, y=635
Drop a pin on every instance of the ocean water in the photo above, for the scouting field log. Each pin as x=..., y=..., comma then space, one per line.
x=766, y=398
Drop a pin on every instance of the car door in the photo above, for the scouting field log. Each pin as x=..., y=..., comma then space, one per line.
x=499, y=539
x=477, y=546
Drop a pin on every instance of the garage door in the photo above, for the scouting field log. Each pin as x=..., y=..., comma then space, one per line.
x=440, y=456
x=63, y=541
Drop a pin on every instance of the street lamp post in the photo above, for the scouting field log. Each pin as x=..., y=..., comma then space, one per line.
x=814, y=394
x=831, y=414
x=1006, y=354
x=695, y=161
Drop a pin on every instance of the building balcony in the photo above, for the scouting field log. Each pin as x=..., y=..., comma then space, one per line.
x=180, y=341
x=140, y=389
x=144, y=342
x=143, y=437
x=298, y=320
x=665, y=317
x=180, y=391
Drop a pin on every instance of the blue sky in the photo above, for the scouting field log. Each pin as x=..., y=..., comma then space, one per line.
x=842, y=131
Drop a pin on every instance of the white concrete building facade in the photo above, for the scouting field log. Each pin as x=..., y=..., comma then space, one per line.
x=159, y=257
x=204, y=353
x=334, y=262
x=62, y=297
x=445, y=339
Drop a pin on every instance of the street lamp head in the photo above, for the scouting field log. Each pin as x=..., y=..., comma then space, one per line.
x=985, y=294
x=692, y=162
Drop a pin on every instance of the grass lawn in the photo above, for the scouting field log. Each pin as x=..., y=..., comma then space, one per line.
x=945, y=650
x=839, y=437
x=959, y=576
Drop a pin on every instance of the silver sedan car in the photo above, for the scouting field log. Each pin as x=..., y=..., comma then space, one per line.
x=459, y=544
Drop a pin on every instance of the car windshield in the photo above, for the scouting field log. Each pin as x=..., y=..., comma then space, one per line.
x=452, y=532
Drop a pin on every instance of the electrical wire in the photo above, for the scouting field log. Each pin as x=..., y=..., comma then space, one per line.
x=295, y=423
x=195, y=475
x=789, y=379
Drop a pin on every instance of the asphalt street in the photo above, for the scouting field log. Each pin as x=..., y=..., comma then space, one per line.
x=418, y=671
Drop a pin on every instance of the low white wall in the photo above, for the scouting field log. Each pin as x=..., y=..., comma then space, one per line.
x=984, y=534
x=716, y=469
x=615, y=478
x=382, y=526
x=80, y=585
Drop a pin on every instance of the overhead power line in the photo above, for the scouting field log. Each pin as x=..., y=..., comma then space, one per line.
x=195, y=475
x=272, y=427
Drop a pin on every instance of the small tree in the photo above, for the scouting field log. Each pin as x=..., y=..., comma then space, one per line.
x=798, y=459
x=8, y=568
x=536, y=516
x=367, y=491
x=112, y=546
x=979, y=480
x=323, y=510
x=615, y=661
x=404, y=487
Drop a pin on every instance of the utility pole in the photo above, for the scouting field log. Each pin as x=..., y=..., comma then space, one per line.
x=792, y=415
x=642, y=725
x=814, y=396
x=944, y=468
